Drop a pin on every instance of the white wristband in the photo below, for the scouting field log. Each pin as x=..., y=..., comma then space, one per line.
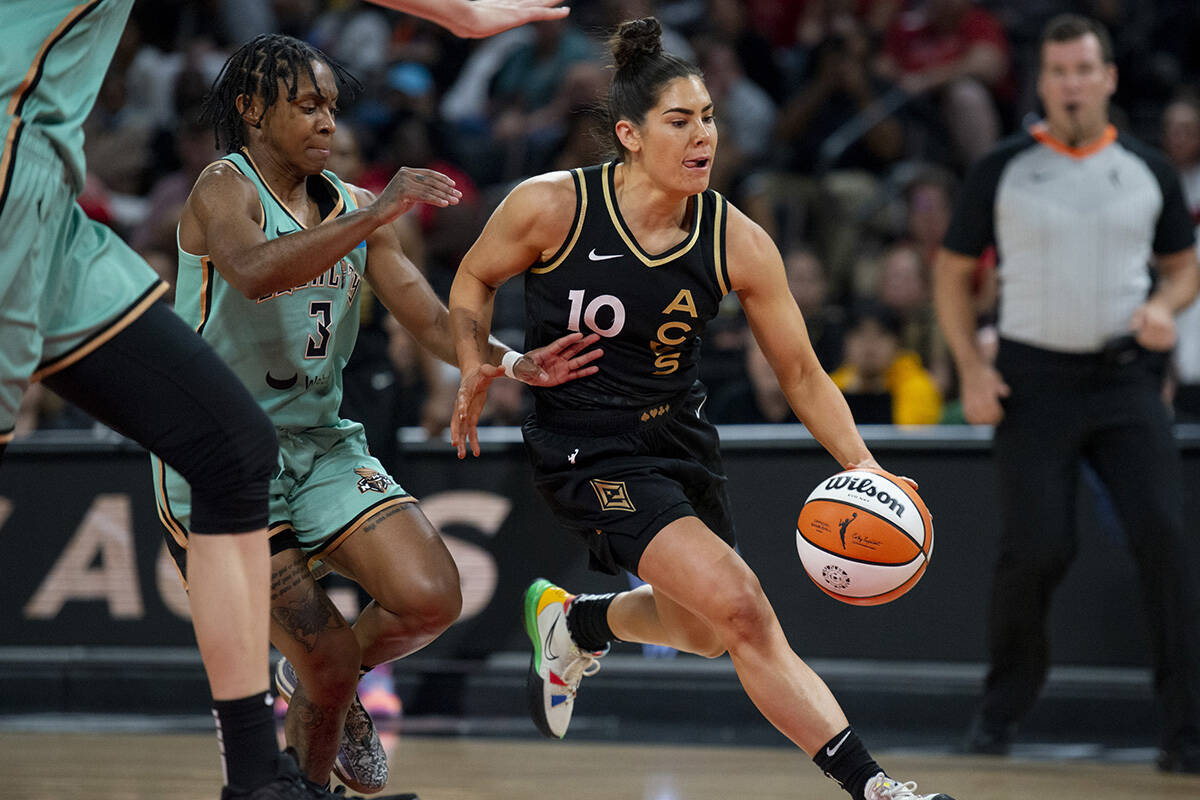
x=509, y=361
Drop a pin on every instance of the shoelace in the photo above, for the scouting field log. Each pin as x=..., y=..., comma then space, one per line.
x=898, y=791
x=584, y=665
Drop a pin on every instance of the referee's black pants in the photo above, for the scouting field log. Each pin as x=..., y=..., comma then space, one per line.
x=1064, y=408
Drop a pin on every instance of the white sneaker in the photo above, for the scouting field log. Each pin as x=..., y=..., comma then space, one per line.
x=558, y=664
x=881, y=787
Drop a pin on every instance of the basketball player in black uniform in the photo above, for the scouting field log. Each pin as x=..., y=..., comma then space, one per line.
x=641, y=251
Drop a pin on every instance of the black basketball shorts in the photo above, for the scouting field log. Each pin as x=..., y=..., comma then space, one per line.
x=617, y=478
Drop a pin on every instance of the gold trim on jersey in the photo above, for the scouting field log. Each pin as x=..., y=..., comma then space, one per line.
x=580, y=216
x=34, y=73
x=719, y=265
x=337, y=208
x=97, y=339
x=163, y=505
x=635, y=248
x=355, y=524
x=206, y=290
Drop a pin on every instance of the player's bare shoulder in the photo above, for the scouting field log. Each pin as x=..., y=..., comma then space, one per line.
x=221, y=188
x=749, y=249
x=219, y=191
x=543, y=208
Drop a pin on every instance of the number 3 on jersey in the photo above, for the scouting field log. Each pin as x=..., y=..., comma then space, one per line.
x=322, y=310
x=596, y=308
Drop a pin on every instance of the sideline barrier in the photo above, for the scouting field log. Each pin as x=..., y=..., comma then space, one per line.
x=83, y=543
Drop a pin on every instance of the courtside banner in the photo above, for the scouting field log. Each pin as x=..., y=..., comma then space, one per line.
x=86, y=563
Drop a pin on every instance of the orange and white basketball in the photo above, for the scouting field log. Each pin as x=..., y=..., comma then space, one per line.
x=864, y=537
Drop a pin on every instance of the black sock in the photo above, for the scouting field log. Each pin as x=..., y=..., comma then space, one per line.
x=246, y=737
x=587, y=620
x=845, y=759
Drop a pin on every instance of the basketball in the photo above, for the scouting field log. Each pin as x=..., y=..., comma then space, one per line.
x=864, y=537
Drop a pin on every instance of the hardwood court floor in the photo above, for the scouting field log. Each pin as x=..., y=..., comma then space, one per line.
x=93, y=766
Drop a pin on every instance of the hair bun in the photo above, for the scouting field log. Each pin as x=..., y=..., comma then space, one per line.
x=636, y=40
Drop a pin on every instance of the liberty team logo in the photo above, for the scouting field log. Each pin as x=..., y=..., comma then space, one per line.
x=370, y=480
x=613, y=495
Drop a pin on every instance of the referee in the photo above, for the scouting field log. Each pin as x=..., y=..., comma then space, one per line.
x=1077, y=212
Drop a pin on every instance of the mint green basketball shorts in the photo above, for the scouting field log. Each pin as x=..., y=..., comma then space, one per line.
x=327, y=486
x=67, y=284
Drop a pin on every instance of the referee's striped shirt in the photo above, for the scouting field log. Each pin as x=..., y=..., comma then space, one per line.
x=1074, y=230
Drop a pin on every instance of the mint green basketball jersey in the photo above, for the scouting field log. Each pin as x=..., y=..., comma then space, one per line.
x=288, y=348
x=55, y=54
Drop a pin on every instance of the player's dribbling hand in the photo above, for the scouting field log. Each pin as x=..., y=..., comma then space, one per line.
x=560, y=361
x=410, y=186
x=871, y=463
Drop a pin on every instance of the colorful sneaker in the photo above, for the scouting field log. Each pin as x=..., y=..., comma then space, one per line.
x=361, y=760
x=881, y=787
x=378, y=693
x=558, y=664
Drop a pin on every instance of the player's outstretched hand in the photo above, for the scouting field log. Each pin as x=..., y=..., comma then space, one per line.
x=410, y=186
x=560, y=361
x=472, y=394
x=488, y=17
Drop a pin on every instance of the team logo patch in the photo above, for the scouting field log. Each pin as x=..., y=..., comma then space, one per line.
x=613, y=495
x=370, y=480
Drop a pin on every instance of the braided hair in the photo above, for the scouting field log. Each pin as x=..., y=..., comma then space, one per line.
x=257, y=68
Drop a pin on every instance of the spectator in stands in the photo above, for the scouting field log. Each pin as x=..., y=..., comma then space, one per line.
x=754, y=401
x=904, y=285
x=882, y=382
x=824, y=319
x=524, y=88
x=745, y=111
x=819, y=187
x=956, y=54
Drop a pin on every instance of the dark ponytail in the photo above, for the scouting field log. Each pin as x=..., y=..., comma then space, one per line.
x=642, y=70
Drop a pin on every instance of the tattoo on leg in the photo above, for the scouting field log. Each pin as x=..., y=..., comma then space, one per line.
x=373, y=522
x=304, y=618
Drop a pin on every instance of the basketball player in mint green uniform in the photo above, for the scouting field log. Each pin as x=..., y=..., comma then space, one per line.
x=273, y=253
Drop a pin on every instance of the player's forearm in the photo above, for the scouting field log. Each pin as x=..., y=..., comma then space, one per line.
x=820, y=405
x=295, y=259
x=471, y=320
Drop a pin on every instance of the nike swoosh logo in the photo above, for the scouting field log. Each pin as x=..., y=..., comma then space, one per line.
x=550, y=654
x=832, y=751
x=593, y=256
x=281, y=383
x=281, y=232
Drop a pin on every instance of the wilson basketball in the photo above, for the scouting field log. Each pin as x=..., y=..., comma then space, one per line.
x=864, y=537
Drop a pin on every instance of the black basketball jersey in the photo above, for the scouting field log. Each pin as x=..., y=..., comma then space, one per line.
x=650, y=309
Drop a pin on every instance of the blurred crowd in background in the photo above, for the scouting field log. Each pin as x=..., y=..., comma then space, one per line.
x=845, y=127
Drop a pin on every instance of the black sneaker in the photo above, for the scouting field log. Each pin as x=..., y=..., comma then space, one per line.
x=287, y=785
